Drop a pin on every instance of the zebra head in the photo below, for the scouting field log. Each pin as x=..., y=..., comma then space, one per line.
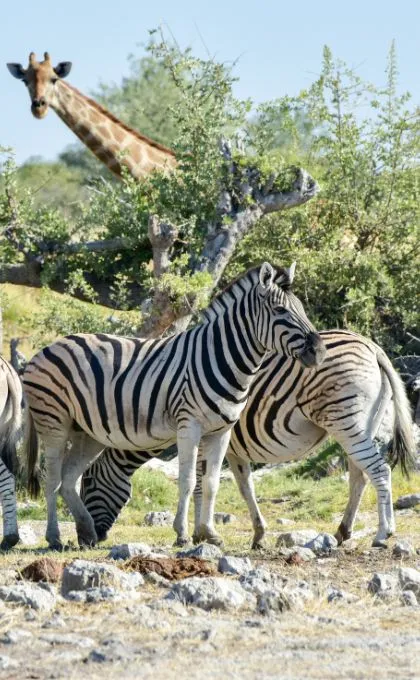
x=282, y=324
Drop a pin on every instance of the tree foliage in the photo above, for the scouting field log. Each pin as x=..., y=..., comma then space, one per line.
x=357, y=244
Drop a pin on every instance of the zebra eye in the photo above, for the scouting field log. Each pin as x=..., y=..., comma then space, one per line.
x=54, y=80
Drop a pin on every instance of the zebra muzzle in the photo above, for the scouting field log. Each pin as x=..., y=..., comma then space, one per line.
x=313, y=353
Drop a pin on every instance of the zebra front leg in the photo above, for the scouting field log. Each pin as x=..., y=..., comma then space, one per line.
x=198, y=496
x=214, y=448
x=8, y=501
x=188, y=439
x=357, y=484
x=243, y=475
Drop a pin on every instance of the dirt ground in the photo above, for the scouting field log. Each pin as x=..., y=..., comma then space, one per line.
x=150, y=637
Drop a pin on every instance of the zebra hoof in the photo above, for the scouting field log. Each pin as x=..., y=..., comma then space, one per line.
x=101, y=533
x=9, y=541
x=257, y=545
x=181, y=542
x=342, y=534
x=57, y=546
x=379, y=544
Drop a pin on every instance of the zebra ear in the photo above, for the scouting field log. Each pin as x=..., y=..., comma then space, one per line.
x=290, y=272
x=266, y=275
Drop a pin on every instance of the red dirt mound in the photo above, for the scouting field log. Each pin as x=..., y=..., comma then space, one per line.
x=172, y=568
x=44, y=569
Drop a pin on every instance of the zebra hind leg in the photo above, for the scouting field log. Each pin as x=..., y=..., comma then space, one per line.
x=243, y=475
x=83, y=451
x=8, y=501
x=357, y=484
x=370, y=461
x=54, y=455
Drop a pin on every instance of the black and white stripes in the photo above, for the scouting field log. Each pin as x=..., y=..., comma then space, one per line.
x=10, y=431
x=129, y=394
x=290, y=412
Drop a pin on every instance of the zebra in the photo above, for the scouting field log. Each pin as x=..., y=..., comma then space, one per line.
x=11, y=420
x=98, y=390
x=289, y=413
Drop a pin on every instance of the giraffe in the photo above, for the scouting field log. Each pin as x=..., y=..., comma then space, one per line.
x=115, y=144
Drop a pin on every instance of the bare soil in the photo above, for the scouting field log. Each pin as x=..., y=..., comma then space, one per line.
x=150, y=638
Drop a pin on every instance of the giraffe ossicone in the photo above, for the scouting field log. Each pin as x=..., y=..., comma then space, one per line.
x=113, y=142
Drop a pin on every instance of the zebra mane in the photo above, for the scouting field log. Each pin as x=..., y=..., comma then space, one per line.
x=249, y=278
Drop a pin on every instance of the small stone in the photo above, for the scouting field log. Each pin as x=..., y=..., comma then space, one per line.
x=297, y=555
x=260, y=580
x=383, y=585
x=30, y=595
x=206, y=551
x=7, y=662
x=273, y=601
x=67, y=639
x=83, y=574
x=409, y=579
x=27, y=535
x=127, y=550
x=403, y=549
x=159, y=518
x=338, y=595
x=209, y=593
x=284, y=521
x=56, y=621
x=300, y=537
x=234, y=565
x=15, y=635
x=408, y=501
x=224, y=518
x=409, y=599
x=322, y=544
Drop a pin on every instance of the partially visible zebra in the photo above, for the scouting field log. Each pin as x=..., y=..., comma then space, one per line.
x=10, y=431
x=125, y=393
x=289, y=413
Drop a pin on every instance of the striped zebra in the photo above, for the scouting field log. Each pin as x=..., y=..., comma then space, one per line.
x=10, y=431
x=290, y=412
x=99, y=390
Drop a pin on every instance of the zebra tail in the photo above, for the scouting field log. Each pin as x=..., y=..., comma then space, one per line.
x=402, y=448
x=31, y=450
x=11, y=423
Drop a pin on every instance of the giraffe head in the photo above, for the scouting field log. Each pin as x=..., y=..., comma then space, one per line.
x=40, y=78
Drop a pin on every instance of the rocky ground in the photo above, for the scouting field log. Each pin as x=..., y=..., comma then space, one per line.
x=303, y=609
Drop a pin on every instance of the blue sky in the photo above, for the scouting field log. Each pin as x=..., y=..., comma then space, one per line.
x=278, y=46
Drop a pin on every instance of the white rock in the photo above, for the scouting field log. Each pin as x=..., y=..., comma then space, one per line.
x=7, y=662
x=31, y=595
x=224, y=518
x=209, y=593
x=292, y=596
x=409, y=579
x=27, y=535
x=82, y=574
x=306, y=554
x=284, y=521
x=289, y=539
x=403, y=549
x=14, y=636
x=322, y=544
x=127, y=550
x=383, y=584
x=159, y=518
x=408, y=501
x=234, y=565
x=206, y=551
x=338, y=595
x=409, y=599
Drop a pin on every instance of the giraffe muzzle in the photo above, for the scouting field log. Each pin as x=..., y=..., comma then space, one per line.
x=39, y=107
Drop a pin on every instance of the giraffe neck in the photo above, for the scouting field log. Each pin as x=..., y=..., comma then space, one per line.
x=113, y=143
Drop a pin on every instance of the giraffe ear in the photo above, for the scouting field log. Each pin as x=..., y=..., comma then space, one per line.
x=63, y=69
x=17, y=71
x=266, y=275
